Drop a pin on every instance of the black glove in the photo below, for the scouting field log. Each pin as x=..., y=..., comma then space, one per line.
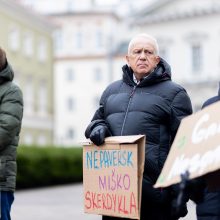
x=180, y=197
x=3, y=60
x=179, y=210
x=98, y=134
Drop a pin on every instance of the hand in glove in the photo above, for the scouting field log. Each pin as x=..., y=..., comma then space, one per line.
x=180, y=197
x=178, y=210
x=98, y=135
x=2, y=59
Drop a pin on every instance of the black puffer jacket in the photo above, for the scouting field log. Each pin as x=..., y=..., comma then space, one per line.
x=154, y=108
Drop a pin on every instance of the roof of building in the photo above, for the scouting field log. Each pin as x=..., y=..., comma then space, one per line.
x=151, y=14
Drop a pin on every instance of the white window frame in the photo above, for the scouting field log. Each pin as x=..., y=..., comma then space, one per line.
x=28, y=46
x=197, y=57
x=70, y=104
x=42, y=50
x=29, y=95
x=42, y=98
x=98, y=76
x=71, y=131
x=14, y=38
x=70, y=75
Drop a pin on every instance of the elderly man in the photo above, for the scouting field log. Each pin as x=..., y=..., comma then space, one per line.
x=145, y=101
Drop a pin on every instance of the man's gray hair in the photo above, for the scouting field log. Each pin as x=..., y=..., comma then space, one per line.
x=146, y=36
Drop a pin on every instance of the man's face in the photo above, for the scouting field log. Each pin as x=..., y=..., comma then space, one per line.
x=142, y=58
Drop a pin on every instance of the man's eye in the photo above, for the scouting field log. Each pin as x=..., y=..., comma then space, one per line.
x=148, y=52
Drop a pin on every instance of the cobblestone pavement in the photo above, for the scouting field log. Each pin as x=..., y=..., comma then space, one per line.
x=58, y=203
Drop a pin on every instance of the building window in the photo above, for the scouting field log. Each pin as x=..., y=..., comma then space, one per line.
x=69, y=75
x=70, y=133
x=14, y=38
x=79, y=39
x=99, y=39
x=196, y=58
x=58, y=40
x=29, y=95
x=42, y=97
x=28, y=44
x=70, y=104
x=97, y=74
x=42, y=50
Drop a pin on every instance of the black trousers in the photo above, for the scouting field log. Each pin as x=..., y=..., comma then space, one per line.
x=149, y=211
x=155, y=204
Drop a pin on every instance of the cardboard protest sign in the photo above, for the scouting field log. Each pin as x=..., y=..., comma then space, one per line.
x=112, y=176
x=196, y=147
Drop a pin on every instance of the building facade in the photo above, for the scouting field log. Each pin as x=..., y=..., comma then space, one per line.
x=188, y=33
x=27, y=40
x=83, y=68
x=84, y=41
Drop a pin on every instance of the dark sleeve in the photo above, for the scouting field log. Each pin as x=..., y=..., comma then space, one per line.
x=196, y=189
x=180, y=107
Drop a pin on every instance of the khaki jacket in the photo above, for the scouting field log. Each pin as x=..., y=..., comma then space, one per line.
x=11, y=113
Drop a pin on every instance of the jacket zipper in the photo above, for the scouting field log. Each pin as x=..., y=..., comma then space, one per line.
x=130, y=97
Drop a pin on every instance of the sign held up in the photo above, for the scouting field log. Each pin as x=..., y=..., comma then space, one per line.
x=112, y=176
x=196, y=148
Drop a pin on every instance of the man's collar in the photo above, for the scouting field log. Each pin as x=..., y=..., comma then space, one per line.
x=138, y=81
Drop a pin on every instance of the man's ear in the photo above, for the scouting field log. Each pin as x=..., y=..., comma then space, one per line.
x=127, y=59
x=157, y=59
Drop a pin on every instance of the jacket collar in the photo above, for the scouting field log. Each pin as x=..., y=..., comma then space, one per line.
x=161, y=73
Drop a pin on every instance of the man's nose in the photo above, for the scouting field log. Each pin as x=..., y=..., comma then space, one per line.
x=143, y=55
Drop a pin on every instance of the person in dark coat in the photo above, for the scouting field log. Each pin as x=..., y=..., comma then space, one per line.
x=209, y=208
x=145, y=101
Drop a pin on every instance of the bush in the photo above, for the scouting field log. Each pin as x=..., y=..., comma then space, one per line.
x=48, y=166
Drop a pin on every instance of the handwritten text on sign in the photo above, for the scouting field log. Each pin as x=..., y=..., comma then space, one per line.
x=198, y=162
x=111, y=177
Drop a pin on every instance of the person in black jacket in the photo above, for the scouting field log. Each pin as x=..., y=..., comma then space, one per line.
x=209, y=208
x=145, y=101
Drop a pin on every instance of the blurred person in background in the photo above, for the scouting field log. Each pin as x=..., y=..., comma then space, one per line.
x=11, y=113
x=207, y=200
x=145, y=101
